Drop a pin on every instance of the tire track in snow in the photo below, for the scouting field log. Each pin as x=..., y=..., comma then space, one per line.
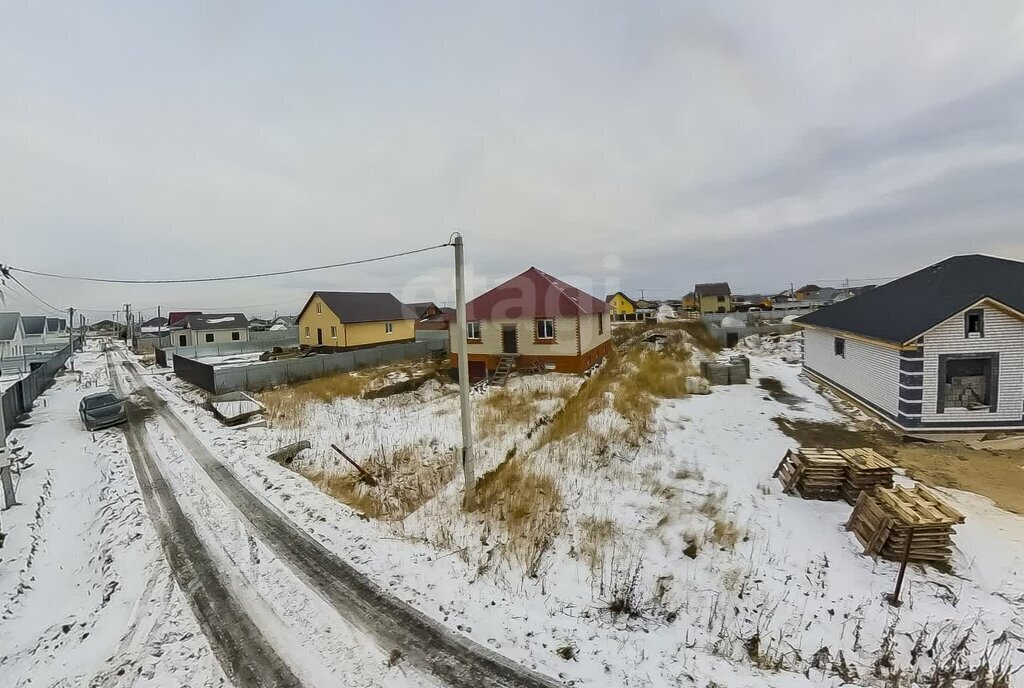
x=416, y=638
x=244, y=654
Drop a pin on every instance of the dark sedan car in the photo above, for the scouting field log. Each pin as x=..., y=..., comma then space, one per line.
x=101, y=410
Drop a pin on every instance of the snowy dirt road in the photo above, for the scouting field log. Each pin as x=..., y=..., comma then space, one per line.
x=409, y=636
x=246, y=656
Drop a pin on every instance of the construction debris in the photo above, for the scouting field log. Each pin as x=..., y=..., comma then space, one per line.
x=884, y=519
x=813, y=473
x=865, y=469
x=286, y=454
x=733, y=371
x=235, y=408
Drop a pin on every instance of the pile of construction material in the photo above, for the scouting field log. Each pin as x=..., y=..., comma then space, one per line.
x=865, y=470
x=885, y=519
x=733, y=371
x=833, y=473
x=813, y=473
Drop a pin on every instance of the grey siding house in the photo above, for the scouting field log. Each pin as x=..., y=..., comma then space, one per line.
x=940, y=350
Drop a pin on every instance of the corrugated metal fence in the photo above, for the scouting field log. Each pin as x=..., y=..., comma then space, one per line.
x=17, y=399
x=257, y=376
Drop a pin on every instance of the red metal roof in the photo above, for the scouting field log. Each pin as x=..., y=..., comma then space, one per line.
x=533, y=294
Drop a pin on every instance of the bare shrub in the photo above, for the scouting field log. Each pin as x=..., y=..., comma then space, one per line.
x=407, y=478
x=596, y=536
x=724, y=533
x=529, y=505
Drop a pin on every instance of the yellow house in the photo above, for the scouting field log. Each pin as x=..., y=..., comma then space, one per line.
x=621, y=307
x=345, y=320
x=713, y=297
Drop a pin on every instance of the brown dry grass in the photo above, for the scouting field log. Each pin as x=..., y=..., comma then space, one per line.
x=407, y=478
x=596, y=537
x=725, y=533
x=697, y=330
x=504, y=408
x=529, y=505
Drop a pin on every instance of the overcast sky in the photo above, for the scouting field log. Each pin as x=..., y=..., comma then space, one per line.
x=634, y=145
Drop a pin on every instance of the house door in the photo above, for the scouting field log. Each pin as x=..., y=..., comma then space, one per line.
x=509, y=342
x=731, y=339
x=182, y=340
x=319, y=337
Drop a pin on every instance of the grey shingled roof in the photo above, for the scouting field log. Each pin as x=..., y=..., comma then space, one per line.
x=713, y=289
x=903, y=309
x=34, y=324
x=215, y=321
x=8, y=325
x=356, y=306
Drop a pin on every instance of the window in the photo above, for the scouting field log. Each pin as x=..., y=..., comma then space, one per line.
x=235, y=336
x=473, y=330
x=721, y=299
x=318, y=308
x=182, y=340
x=545, y=328
x=389, y=328
x=974, y=323
x=600, y=323
x=209, y=337
x=839, y=346
x=307, y=333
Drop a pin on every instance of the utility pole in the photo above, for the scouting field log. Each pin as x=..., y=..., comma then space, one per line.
x=460, y=351
x=127, y=321
x=71, y=338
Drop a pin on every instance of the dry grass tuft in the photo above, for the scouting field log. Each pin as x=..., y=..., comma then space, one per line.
x=504, y=408
x=725, y=533
x=596, y=536
x=528, y=503
x=286, y=404
x=407, y=478
x=589, y=398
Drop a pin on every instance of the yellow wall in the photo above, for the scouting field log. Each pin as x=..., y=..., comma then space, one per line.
x=711, y=304
x=620, y=305
x=354, y=334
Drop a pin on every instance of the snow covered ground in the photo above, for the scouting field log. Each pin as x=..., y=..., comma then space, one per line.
x=701, y=572
x=791, y=602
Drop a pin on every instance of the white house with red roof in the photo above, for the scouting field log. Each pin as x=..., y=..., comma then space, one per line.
x=534, y=319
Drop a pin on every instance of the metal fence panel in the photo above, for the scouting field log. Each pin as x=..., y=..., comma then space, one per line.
x=19, y=397
x=199, y=374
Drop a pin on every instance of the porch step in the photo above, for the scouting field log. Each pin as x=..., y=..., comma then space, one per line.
x=506, y=364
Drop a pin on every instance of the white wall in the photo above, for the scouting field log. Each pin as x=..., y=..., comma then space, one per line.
x=871, y=371
x=14, y=347
x=198, y=337
x=1003, y=333
x=491, y=333
x=589, y=337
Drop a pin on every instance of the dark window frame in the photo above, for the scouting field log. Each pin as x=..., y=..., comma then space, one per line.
x=182, y=340
x=992, y=381
x=839, y=346
x=980, y=313
x=209, y=337
x=236, y=336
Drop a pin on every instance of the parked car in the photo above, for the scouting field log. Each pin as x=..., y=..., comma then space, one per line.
x=101, y=410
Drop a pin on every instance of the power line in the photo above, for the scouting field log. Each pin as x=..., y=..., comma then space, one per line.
x=31, y=293
x=193, y=280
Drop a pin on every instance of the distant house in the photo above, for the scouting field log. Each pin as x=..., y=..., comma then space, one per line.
x=285, y=321
x=713, y=297
x=105, y=326
x=12, y=335
x=346, y=320
x=56, y=331
x=941, y=349
x=35, y=328
x=259, y=324
x=534, y=319
x=205, y=329
x=805, y=291
x=154, y=326
x=423, y=309
x=689, y=302
x=438, y=321
x=621, y=307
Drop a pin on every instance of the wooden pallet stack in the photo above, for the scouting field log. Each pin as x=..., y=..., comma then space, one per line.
x=883, y=519
x=813, y=473
x=865, y=469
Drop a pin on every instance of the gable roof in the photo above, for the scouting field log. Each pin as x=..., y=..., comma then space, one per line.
x=808, y=288
x=155, y=322
x=712, y=289
x=34, y=324
x=905, y=308
x=533, y=294
x=359, y=306
x=215, y=321
x=420, y=308
x=9, y=326
x=56, y=324
x=608, y=299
